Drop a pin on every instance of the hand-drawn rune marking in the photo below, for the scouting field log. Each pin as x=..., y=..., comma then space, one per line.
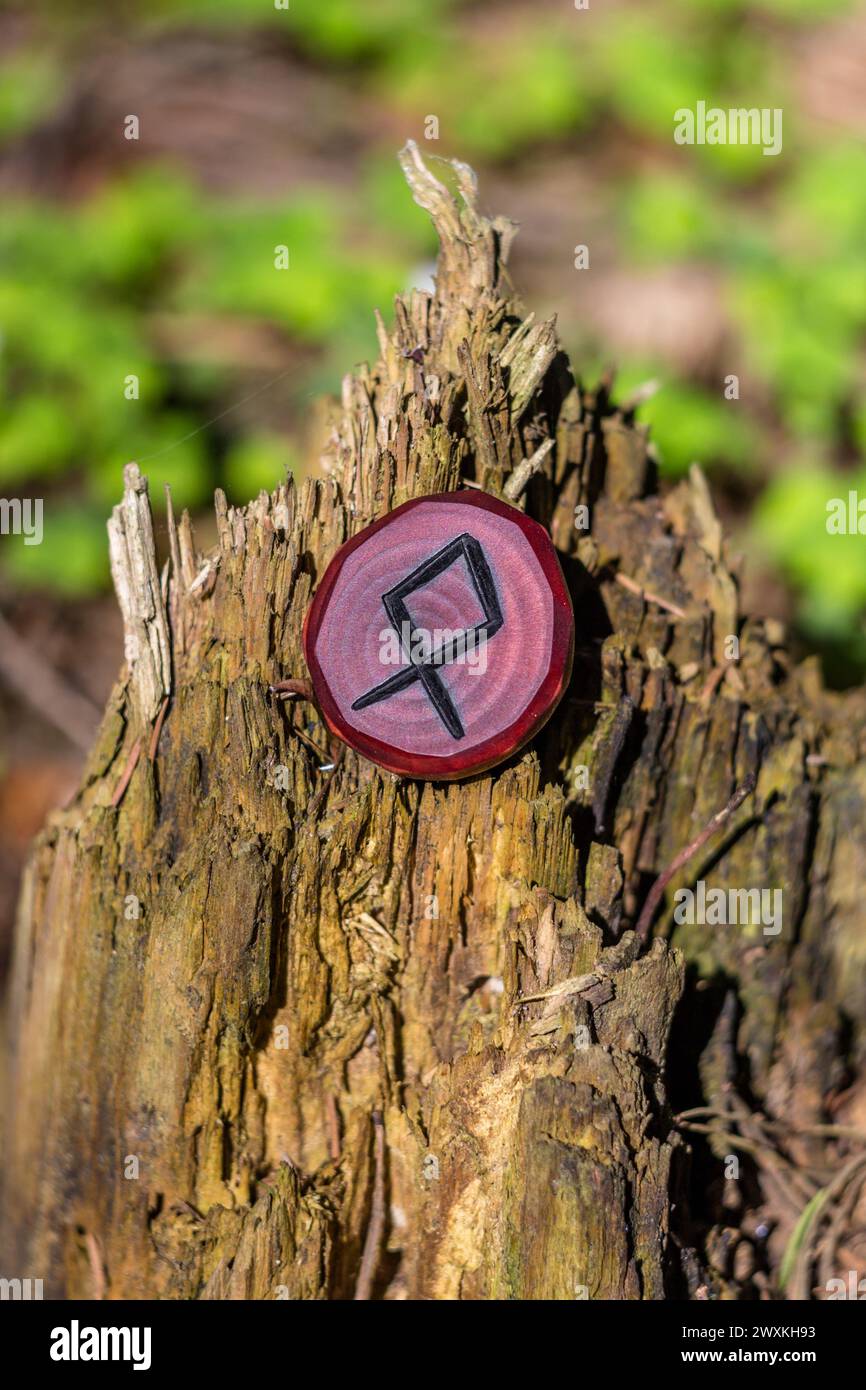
x=424, y=669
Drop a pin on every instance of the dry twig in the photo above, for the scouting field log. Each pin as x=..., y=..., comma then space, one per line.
x=654, y=896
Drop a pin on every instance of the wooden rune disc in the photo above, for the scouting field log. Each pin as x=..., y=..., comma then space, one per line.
x=440, y=638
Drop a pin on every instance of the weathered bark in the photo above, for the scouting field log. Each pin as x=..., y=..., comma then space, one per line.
x=319, y=961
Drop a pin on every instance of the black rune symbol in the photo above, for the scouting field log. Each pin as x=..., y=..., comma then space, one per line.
x=425, y=669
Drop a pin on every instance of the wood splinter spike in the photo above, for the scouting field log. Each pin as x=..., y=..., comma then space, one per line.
x=440, y=639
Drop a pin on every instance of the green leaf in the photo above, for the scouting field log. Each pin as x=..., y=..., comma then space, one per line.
x=790, y=525
x=35, y=439
x=258, y=462
x=799, y=1234
x=673, y=216
x=29, y=90
x=689, y=425
x=73, y=556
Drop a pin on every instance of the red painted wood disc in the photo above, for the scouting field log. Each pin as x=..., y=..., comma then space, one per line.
x=440, y=638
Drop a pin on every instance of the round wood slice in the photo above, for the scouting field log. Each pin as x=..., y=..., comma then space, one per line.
x=440, y=638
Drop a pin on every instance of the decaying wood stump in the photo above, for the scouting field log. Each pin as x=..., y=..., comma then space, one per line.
x=267, y=1020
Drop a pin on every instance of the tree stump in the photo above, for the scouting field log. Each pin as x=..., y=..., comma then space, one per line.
x=282, y=1032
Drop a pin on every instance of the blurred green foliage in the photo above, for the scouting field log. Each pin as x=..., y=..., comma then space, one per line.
x=27, y=84
x=89, y=292
x=82, y=290
x=827, y=569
